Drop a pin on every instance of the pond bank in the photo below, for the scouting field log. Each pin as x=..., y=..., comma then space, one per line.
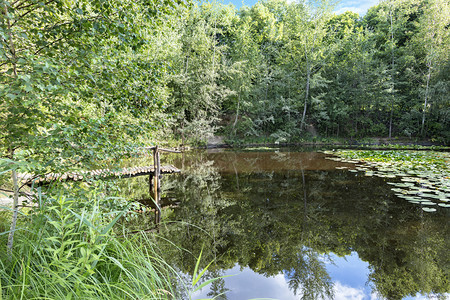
x=377, y=143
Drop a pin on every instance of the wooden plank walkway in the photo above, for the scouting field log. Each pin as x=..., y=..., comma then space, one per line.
x=102, y=173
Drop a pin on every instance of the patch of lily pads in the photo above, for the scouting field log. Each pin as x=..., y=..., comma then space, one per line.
x=419, y=177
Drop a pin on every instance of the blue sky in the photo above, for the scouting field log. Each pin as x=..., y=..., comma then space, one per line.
x=358, y=6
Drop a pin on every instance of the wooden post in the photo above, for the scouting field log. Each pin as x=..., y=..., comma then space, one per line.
x=157, y=185
x=150, y=184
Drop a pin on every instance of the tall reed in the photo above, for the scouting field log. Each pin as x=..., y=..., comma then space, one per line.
x=64, y=252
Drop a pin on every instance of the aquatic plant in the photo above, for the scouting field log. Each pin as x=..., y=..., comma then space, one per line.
x=420, y=177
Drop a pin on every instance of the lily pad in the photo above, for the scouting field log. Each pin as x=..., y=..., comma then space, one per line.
x=409, y=179
x=401, y=174
x=422, y=190
x=412, y=198
x=428, y=203
x=427, y=209
x=413, y=202
x=407, y=184
x=412, y=192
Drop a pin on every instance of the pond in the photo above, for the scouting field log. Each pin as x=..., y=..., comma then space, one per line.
x=289, y=225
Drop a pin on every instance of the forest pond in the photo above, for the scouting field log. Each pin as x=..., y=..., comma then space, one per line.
x=289, y=225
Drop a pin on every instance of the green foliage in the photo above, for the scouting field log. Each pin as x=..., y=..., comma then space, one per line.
x=63, y=252
x=78, y=87
x=286, y=67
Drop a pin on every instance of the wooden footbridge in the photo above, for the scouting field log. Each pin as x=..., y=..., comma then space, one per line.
x=154, y=172
x=103, y=173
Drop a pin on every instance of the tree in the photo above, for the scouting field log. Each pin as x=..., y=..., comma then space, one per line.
x=61, y=87
x=306, y=31
x=196, y=87
x=434, y=39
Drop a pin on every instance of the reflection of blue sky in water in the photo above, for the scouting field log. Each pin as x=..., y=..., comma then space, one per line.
x=349, y=275
x=248, y=284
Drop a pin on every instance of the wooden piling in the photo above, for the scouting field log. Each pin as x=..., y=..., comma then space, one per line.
x=157, y=185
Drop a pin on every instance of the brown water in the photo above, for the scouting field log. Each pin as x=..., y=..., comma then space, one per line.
x=289, y=225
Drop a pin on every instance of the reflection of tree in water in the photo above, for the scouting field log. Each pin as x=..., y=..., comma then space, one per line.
x=243, y=223
x=405, y=268
x=197, y=224
x=217, y=289
x=308, y=276
x=286, y=221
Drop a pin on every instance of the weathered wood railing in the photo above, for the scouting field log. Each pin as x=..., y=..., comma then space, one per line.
x=157, y=178
x=100, y=173
x=155, y=173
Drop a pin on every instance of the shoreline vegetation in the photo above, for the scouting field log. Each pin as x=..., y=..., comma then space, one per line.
x=374, y=143
x=83, y=82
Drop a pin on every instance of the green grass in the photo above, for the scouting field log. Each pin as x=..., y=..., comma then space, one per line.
x=63, y=254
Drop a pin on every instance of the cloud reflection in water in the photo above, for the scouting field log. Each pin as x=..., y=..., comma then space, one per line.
x=349, y=275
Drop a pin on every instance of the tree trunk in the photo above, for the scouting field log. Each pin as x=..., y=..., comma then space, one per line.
x=426, y=99
x=15, y=210
x=392, y=74
x=183, y=142
x=308, y=76
x=14, y=178
x=237, y=113
x=390, y=120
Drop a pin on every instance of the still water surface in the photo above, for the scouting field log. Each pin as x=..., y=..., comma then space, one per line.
x=289, y=225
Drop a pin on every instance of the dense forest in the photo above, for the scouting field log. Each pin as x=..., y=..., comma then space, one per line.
x=277, y=71
x=287, y=71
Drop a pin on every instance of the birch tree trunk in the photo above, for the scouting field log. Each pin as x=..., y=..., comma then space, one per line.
x=392, y=73
x=15, y=213
x=425, y=103
x=308, y=77
x=237, y=112
x=12, y=50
